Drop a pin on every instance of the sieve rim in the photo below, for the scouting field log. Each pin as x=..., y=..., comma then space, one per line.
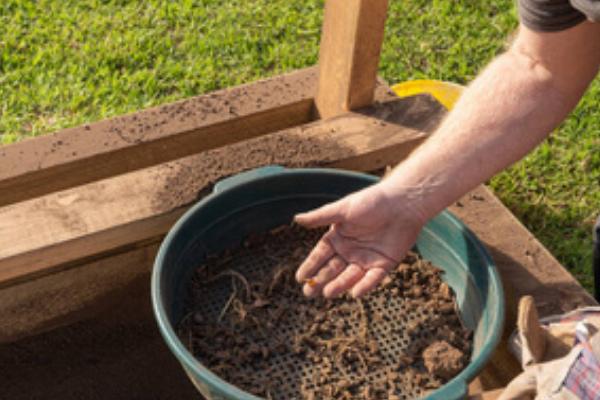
x=457, y=385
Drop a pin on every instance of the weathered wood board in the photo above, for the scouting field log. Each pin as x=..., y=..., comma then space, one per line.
x=526, y=268
x=115, y=146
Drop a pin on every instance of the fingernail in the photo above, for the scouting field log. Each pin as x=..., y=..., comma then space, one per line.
x=299, y=276
x=308, y=291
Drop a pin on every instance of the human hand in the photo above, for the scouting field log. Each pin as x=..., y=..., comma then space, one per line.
x=370, y=232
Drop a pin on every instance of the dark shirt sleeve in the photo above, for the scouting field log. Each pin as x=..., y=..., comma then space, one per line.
x=557, y=15
x=590, y=8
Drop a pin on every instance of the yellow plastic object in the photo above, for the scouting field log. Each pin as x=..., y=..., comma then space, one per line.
x=446, y=93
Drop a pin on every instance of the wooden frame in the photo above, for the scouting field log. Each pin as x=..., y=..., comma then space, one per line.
x=73, y=200
x=78, y=228
x=82, y=211
x=108, y=148
x=60, y=230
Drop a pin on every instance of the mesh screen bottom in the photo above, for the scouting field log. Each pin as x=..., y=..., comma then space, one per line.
x=288, y=372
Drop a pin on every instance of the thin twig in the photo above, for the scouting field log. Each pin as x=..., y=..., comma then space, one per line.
x=277, y=277
x=224, y=310
x=233, y=273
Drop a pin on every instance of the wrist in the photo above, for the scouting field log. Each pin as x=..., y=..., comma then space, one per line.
x=405, y=201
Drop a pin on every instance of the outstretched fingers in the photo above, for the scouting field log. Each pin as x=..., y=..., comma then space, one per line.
x=326, y=215
x=314, y=286
x=348, y=278
x=368, y=282
x=317, y=258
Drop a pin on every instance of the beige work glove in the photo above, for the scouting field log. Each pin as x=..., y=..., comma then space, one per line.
x=548, y=351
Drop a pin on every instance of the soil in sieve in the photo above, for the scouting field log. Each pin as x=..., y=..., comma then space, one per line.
x=248, y=322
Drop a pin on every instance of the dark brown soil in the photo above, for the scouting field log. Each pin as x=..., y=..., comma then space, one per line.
x=248, y=321
x=311, y=145
x=116, y=354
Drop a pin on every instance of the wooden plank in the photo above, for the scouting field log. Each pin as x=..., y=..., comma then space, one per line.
x=91, y=152
x=73, y=227
x=349, y=54
x=39, y=305
x=526, y=268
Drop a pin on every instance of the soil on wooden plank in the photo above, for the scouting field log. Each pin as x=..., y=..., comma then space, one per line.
x=312, y=145
x=151, y=123
x=248, y=321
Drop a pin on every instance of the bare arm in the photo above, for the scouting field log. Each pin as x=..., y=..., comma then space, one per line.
x=511, y=107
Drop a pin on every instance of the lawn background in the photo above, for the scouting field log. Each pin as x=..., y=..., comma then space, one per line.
x=63, y=63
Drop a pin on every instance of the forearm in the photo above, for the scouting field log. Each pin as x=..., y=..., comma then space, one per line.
x=509, y=109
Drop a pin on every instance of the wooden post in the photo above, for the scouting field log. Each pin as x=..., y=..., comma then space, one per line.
x=349, y=54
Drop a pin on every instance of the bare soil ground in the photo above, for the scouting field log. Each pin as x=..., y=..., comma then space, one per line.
x=117, y=354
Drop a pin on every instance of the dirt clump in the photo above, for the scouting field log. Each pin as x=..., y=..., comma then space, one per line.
x=248, y=321
x=443, y=359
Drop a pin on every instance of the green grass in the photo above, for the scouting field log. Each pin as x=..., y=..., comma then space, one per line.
x=63, y=63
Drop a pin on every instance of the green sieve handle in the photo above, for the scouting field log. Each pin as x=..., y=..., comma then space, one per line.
x=247, y=176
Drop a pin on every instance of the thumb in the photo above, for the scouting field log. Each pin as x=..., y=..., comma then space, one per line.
x=328, y=214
